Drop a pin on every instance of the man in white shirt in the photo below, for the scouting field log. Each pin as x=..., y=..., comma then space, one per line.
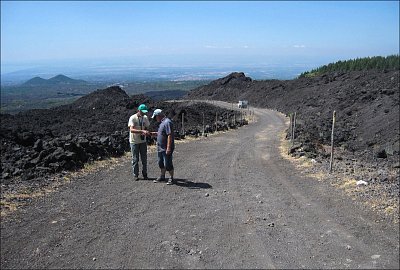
x=138, y=125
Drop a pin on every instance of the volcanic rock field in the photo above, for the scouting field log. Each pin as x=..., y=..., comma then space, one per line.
x=38, y=144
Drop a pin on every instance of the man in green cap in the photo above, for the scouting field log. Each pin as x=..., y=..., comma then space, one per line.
x=138, y=125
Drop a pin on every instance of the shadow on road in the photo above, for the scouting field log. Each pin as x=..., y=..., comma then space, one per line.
x=185, y=183
x=190, y=184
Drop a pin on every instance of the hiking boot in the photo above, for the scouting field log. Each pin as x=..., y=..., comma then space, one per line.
x=136, y=177
x=170, y=181
x=159, y=179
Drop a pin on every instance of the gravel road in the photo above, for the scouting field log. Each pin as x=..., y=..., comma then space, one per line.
x=237, y=204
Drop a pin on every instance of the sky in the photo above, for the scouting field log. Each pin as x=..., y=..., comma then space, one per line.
x=196, y=32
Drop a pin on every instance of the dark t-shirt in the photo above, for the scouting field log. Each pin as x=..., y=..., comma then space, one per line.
x=166, y=128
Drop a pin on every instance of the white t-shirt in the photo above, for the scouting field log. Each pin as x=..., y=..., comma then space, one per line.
x=137, y=123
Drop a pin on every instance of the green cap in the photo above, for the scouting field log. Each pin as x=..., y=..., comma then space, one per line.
x=143, y=108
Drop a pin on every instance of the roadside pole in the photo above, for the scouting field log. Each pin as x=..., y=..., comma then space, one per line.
x=291, y=132
x=216, y=119
x=183, y=127
x=294, y=126
x=203, y=125
x=333, y=127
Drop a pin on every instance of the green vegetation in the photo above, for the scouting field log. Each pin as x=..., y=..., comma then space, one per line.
x=377, y=62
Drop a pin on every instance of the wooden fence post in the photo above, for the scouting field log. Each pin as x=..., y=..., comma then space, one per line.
x=203, y=125
x=216, y=119
x=294, y=125
x=333, y=127
x=183, y=125
x=291, y=132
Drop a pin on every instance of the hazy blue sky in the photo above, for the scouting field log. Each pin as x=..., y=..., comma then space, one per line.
x=198, y=32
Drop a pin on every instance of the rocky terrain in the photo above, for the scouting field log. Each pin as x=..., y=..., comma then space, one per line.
x=366, y=105
x=250, y=208
x=38, y=144
x=237, y=204
x=366, y=137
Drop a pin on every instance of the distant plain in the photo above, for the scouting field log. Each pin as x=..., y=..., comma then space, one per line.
x=17, y=96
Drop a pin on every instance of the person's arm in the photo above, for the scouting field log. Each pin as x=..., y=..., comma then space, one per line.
x=169, y=143
x=146, y=126
x=138, y=131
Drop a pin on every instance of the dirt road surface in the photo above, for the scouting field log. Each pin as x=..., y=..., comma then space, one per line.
x=237, y=204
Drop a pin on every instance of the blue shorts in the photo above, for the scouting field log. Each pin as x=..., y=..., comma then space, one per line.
x=165, y=161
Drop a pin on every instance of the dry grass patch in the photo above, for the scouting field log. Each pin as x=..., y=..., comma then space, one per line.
x=347, y=184
x=11, y=201
x=320, y=176
x=300, y=162
x=390, y=210
x=379, y=203
x=20, y=196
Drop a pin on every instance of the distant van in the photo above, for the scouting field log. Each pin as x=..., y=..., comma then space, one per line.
x=243, y=104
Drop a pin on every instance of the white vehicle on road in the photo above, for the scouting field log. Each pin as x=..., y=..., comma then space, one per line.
x=243, y=104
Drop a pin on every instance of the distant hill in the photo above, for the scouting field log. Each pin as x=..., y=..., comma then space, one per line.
x=36, y=81
x=56, y=80
x=102, y=98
